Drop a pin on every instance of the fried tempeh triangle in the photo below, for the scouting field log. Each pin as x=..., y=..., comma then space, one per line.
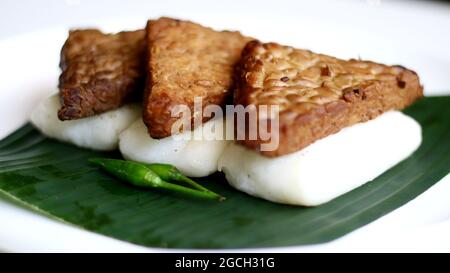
x=100, y=72
x=185, y=61
x=318, y=95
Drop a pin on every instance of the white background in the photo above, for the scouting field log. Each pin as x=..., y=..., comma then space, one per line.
x=415, y=34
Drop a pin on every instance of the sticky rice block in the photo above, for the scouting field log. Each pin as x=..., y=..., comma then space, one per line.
x=327, y=168
x=195, y=157
x=99, y=132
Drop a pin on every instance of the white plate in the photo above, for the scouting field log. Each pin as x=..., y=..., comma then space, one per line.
x=414, y=34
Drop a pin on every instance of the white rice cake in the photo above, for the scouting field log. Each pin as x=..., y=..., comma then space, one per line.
x=193, y=157
x=99, y=132
x=327, y=168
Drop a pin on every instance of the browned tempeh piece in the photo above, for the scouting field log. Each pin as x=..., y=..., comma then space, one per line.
x=100, y=72
x=318, y=95
x=186, y=60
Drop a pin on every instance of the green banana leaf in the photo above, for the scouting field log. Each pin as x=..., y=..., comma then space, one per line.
x=55, y=179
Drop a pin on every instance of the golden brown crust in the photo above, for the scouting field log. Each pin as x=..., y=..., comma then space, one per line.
x=186, y=60
x=318, y=95
x=100, y=72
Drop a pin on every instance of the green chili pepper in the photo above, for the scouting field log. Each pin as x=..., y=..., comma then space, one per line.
x=141, y=175
x=171, y=173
